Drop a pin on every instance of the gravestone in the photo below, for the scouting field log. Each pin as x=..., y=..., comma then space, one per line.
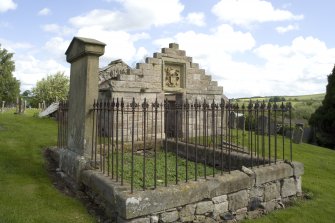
x=298, y=133
x=241, y=122
x=262, y=127
x=232, y=120
x=3, y=106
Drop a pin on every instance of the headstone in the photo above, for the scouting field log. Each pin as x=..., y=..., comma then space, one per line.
x=262, y=127
x=17, y=106
x=298, y=133
x=241, y=122
x=3, y=106
x=43, y=105
x=24, y=106
x=232, y=120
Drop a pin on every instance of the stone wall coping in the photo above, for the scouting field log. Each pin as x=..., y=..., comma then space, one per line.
x=272, y=172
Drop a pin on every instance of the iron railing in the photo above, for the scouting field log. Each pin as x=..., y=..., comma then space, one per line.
x=210, y=135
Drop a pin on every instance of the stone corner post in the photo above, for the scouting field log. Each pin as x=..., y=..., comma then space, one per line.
x=83, y=54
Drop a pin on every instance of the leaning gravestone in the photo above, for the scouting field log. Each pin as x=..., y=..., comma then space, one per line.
x=241, y=122
x=298, y=133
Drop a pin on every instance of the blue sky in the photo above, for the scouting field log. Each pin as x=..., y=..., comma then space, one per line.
x=251, y=47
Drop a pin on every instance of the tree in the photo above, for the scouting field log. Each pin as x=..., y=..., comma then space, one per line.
x=54, y=87
x=323, y=119
x=9, y=86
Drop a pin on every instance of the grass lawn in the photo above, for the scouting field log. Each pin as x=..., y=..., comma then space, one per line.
x=26, y=193
x=318, y=180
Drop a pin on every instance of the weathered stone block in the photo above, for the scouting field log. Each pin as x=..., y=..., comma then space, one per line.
x=219, y=209
x=271, y=191
x=154, y=219
x=172, y=216
x=219, y=199
x=272, y=173
x=257, y=191
x=298, y=168
x=204, y=207
x=135, y=220
x=187, y=213
x=298, y=183
x=238, y=200
x=288, y=187
x=200, y=218
x=240, y=214
x=269, y=206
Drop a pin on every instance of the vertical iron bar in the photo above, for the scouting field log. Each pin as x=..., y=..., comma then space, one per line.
x=113, y=127
x=283, y=127
x=166, y=110
x=156, y=105
x=187, y=135
x=213, y=135
x=269, y=131
x=117, y=140
x=108, y=135
x=176, y=132
x=290, y=117
x=275, y=108
x=222, y=106
x=122, y=141
x=133, y=105
x=104, y=137
x=144, y=108
x=196, y=140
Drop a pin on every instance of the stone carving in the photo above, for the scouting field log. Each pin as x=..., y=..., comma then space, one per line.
x=172, y=76
x=113, y=71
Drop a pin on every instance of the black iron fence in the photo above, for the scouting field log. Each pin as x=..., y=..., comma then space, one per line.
x=133, y=141
x=62, y=117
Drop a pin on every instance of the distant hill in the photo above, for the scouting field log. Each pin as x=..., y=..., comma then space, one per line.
x=303, y=105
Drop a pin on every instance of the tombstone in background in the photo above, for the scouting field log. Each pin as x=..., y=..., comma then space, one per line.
x=273, y=128
x=3, y=106
x=24, y=106
x=262, y=125
x=241, y=122
x=43, y=105
x=298, y=133
x=232, y=120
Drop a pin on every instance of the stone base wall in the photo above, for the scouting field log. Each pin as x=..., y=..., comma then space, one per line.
x=239, y=195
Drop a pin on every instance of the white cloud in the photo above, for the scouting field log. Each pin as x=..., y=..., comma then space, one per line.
x=44, y=12
x=285, y=29
x=57, y=46
x=246, y=12
x=297, y=68
x=57, y=29
x=120, y=44
x=196, y=18
x=29, y=69
x=135, y=15
x=6, y=5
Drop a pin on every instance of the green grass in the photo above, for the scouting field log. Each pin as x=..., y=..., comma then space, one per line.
x=160, y=169
x=319, y=179
x=26, y=193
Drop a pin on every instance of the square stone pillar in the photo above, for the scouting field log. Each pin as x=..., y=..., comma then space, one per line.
x=83, y=54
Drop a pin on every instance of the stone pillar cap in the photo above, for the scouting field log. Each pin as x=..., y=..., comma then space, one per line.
x=174, y=46
x=81, y=46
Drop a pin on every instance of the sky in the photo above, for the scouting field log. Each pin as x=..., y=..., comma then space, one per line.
x=251, y=47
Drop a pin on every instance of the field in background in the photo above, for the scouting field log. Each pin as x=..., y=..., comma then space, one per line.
x=303, y=105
